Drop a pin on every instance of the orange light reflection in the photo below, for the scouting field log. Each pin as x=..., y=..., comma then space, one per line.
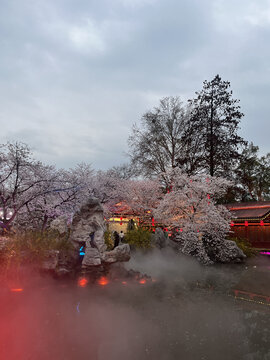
x=103, y=281
x=16, y=290
x=82, y=282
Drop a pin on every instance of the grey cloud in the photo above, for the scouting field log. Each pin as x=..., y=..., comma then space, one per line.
x=79, y=74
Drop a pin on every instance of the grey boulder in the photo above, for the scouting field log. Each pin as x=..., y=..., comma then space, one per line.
x=120, y=253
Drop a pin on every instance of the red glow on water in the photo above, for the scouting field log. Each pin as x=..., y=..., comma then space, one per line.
x=16, y=290
x=103, y=281
x=246, y=223
x=142, y=281
x=82, y=282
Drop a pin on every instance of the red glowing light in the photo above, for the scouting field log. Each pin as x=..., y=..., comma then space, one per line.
x=103, y=281
x=261, y=223
x=208, y=196
x=16, y=290
x=142, y=281
x=181, y=230
x=82, y=282
x=166, y=229
x=232, y=223
x=246, y=223
x=124, y=282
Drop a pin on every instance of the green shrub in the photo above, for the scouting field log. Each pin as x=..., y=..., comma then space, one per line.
x=32, y=247
x=139, y=238
x=244, y=245
x=131, y=225
x=108, y=240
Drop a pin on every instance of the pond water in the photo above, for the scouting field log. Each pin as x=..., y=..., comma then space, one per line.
x=186, y=312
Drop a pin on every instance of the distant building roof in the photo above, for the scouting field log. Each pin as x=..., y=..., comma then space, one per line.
x=121, y=208
x=250, y=210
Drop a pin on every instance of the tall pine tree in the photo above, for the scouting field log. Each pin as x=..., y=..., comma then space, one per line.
x=214, y=121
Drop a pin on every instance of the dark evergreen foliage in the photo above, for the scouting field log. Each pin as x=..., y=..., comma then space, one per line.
x=253, y=175
x=213, y=127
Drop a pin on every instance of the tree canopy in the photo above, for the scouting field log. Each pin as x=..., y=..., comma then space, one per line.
x=198, y=137
x=156, y=145
x=215, y=121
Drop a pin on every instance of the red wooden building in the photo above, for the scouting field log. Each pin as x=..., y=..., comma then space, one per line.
x=251, y=220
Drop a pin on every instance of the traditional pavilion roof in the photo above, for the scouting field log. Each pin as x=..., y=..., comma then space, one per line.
x=121, y=208
x=250, y=210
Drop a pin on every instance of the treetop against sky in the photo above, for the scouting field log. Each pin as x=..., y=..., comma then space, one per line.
x=76, y=76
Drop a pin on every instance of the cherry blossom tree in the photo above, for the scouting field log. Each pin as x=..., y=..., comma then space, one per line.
x=142, y=196
x=190, y=208
x=67, y=192
x=22, y=180
x=31, y=193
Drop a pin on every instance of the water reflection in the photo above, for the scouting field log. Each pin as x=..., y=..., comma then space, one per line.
x=189, y=312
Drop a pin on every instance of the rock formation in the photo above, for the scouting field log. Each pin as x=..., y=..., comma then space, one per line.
x=204, y=250
x=120, y=253
x=160, y=241
x=87, y=231
x=228, y=252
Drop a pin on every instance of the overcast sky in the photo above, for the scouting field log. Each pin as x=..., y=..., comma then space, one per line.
x=76, y=74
